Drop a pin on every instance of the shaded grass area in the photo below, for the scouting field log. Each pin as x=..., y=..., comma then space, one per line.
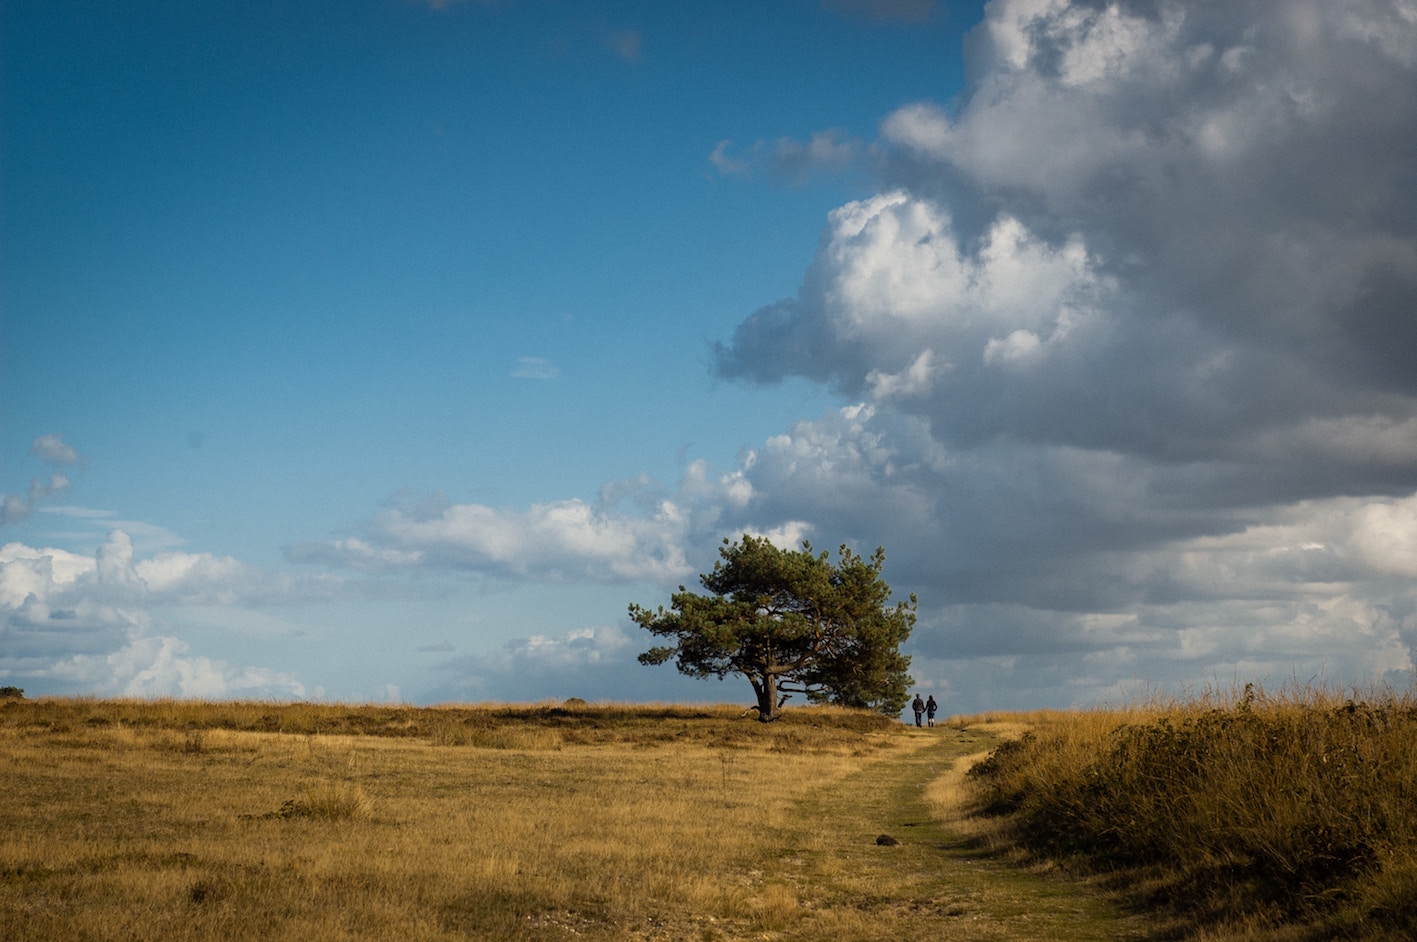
x=1289, y=815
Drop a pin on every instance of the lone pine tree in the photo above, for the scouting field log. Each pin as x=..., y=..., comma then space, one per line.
x=791, y=622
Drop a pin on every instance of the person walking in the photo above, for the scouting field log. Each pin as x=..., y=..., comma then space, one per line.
x=919, y=707
x=930, y=707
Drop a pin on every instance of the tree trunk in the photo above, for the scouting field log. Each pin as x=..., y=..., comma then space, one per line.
x=766, y=689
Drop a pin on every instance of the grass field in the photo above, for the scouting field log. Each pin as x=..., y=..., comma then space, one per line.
x=1288, y=816
x=178, y=820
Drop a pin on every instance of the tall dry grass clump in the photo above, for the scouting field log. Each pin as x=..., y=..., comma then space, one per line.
x=1296, y=809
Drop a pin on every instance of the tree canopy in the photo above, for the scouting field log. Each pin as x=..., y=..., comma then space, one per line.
x=790, y=621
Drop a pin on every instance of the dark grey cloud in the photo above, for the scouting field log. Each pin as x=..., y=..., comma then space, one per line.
x=1134, y=325
x=1195, y=235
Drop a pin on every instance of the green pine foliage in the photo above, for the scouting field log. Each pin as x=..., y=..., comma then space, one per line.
x=790, y=621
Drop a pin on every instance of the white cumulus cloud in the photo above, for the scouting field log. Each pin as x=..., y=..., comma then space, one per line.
x=566, y=540
x=53, y=449
x=71, y=622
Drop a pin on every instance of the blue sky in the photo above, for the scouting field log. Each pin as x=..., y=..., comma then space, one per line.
x=389, y=350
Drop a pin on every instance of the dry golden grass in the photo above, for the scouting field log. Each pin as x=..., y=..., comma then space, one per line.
x=1251, y=814
x=177, y=820
x=164, y=820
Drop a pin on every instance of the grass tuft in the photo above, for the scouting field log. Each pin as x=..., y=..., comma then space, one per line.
x=334, y=801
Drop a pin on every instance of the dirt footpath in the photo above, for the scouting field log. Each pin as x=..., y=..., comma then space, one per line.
x=934, y=883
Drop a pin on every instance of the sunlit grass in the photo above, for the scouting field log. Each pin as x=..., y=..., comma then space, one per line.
x=158, y=820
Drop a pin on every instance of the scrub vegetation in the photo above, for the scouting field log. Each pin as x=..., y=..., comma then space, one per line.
x=1252, y=815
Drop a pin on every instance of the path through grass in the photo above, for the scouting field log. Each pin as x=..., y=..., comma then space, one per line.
x=933, y=884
